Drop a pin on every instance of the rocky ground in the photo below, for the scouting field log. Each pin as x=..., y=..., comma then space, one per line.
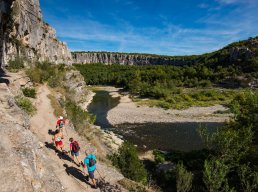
x=28, y=161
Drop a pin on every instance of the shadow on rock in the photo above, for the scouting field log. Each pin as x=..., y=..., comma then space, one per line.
x=51, y=146
x=63, y=155
x=51, y=132
x=77, y=173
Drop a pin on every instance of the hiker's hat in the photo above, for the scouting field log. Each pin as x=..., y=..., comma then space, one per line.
x=61, y=117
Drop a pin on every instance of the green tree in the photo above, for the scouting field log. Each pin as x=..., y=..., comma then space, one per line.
x=128, y=162
x=184, y=178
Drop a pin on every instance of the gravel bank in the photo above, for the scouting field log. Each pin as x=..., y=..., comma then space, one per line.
x=128, y=112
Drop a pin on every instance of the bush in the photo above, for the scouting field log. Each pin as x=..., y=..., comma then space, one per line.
x=16, y=64
x=183, y=178
x=29, y=92
x=46, y=72
x=81, y=119
x=25, y=104
x=128, y=162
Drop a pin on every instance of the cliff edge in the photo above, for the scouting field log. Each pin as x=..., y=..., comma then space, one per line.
x=23, y=33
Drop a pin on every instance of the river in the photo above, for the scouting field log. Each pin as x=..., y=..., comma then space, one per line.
x=149, y=136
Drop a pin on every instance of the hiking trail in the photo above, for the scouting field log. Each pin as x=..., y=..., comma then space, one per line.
x=70, y=176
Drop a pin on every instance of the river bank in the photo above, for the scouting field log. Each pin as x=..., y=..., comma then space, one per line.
x=151, y=127
x=131, y=112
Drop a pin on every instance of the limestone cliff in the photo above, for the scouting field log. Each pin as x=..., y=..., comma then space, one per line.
x=23, y=33
x=128, y=59
x=235, y=53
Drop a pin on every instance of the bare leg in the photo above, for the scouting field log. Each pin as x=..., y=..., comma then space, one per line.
x=78, y=159
x=94, y=182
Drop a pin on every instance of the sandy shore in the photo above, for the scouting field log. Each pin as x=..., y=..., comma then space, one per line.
x=128, y=112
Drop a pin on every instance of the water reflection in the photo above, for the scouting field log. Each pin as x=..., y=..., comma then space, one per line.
x=163, y=136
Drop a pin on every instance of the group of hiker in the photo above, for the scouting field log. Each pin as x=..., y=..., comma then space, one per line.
x=90, y=159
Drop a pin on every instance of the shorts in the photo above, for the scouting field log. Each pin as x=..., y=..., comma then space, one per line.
x=58, y=143
x=91, y=174
x=75, y=153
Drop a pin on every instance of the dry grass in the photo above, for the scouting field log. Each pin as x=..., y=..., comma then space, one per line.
x=58, y=110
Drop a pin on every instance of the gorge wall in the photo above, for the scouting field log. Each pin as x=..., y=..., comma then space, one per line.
x=23, y=33
x=127, y=59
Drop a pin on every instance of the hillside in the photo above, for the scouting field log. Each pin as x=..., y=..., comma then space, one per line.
x=243, y=53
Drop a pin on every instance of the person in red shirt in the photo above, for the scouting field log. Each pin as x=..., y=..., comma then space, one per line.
x=60, y=124
x=57, y=138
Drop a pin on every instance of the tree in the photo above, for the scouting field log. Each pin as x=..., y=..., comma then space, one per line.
x=128, y=162
x=183, y=178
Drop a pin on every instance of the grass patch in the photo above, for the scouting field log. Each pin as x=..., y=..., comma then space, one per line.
x=29, y=92
x=58, y=110
x=53, y=75
x=25, y=104
x=192, y=97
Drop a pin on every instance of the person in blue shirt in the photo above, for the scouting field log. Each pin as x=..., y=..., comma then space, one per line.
x=90, y=161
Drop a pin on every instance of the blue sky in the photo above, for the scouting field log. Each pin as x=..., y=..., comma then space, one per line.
x=168, y=27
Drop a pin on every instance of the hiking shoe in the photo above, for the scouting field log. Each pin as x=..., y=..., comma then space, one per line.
x=94, y=187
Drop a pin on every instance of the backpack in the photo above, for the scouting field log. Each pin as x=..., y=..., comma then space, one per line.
x=61, y=124
x=92, y=161
x=75, y=146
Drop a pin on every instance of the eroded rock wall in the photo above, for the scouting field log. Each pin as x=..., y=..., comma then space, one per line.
x=24, y=165
x=25, y=34
x=126, y=59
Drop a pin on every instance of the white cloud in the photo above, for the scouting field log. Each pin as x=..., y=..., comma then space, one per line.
x=236, y=1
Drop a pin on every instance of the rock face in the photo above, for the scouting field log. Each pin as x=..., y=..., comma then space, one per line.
x=23, y=33
x=243, y=53
x=127, y=59
x=24, y=165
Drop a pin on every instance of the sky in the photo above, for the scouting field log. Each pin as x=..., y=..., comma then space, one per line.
x=167, y=27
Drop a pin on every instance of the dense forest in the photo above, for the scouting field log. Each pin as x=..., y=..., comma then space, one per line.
x=165, y=85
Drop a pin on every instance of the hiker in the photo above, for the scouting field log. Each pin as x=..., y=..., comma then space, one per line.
x=90, y=161
x=60, y=124
x=74, y=149
x=58, y=140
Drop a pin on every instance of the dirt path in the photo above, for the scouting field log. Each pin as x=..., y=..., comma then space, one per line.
x=71, y=176
x=40, y=124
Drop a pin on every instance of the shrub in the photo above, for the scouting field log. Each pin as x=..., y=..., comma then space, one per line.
x=128, y=162
x=46, y=72
x=25, y=104
x=183, y=178
x=80, y=118
x=29, y=92
x=16, y=64
x=34, y=74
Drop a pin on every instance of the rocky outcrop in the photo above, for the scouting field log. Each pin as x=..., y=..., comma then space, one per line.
x=24, y=34
x=24, y=165
x=128, y=59
x=243, y=53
